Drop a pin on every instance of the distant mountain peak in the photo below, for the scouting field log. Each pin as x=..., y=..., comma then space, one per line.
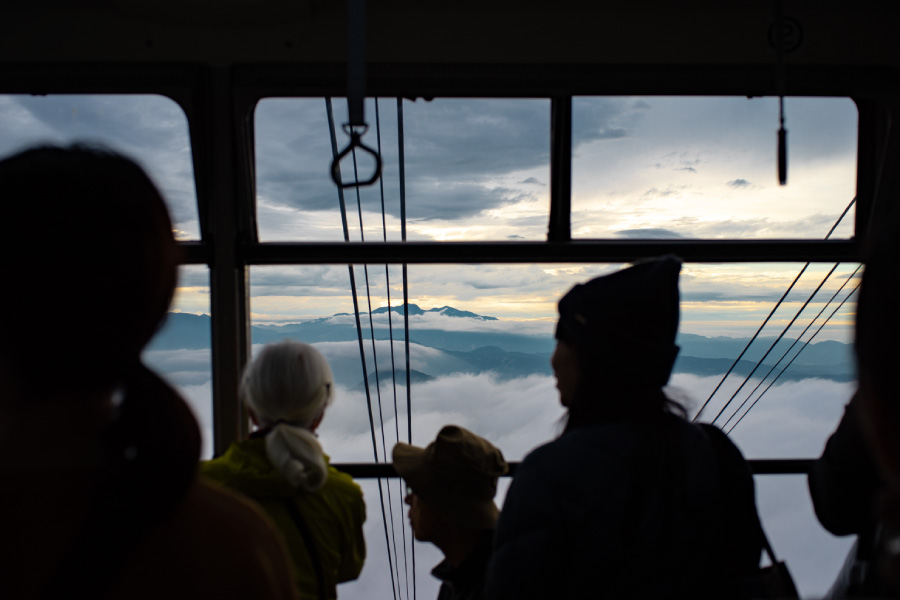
x=447, y=311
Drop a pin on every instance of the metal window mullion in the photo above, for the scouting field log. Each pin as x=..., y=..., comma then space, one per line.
x=217, y=148
x=560, y=228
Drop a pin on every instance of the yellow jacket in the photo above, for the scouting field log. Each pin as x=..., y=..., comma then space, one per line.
x=334, y=515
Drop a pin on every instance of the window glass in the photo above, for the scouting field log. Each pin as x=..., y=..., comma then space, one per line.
x=150, y=129
x=813, y=555
x=475, y=169
x=180, y=351
x=481, y=337
x=705, y=167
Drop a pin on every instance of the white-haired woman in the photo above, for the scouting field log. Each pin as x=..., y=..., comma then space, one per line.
x=319, y=510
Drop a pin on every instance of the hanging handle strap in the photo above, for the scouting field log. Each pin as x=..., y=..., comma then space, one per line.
x=356, y=95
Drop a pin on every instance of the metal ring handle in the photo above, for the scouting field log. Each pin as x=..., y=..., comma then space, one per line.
x=355, y=142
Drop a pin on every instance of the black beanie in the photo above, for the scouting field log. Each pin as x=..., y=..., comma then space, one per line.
x=628, y=319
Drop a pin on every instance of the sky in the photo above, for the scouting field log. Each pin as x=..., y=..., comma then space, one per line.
x=645, y=167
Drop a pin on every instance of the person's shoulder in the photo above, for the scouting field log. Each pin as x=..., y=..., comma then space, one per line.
x=209, y=505
x=341, y=482
x=340, y=487
x=243, y=555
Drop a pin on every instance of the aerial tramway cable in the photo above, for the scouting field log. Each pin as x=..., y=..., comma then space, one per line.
x=788, y=351
x=850, y=295
x=330, y=113
x=772, y=312
x=772, y=346
x=387, y=278
x=402, y=161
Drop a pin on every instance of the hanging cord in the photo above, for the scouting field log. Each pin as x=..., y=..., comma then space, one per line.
x=402, y=160
x=780, y=76
x=387, y=278
x=356, y=126
x=795, y=342
x=758, y=331
x=362, y=353
x=772, y=346
x=850, y=295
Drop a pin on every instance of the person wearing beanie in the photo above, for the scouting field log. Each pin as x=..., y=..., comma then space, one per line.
x=452, y=483
x=624, y=503
x=319, y=510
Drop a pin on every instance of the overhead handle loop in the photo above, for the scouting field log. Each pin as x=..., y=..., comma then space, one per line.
x=356, y=95
x=355, y=142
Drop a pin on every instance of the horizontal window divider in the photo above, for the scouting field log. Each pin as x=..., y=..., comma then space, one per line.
x=582, y=251
x=759, y=466
x=194, y=253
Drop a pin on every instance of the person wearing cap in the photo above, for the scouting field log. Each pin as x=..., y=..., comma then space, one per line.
x=452, y=483
x=319, y=510
x=623, y=503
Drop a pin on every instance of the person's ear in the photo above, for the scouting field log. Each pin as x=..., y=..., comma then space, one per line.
x=315, y=424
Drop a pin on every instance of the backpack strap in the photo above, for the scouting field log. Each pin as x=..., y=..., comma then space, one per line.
x=309, y=542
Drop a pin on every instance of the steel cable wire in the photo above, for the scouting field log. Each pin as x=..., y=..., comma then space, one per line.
x=387, y=278
x=768, y=317
x=330, y=113
x=402, y=163
x=791, y=347
x=772, y=346
x=850, y=295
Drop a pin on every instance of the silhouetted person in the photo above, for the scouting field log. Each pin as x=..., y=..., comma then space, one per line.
x=452, y=483
x=846, y=487
x=625, y=503
x=878, y=353
x=98, y=455
x=319, y=510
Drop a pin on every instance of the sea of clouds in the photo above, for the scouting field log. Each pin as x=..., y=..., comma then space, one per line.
x=793, y=420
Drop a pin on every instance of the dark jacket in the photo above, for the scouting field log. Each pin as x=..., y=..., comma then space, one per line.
x=620, y=509
x=465, y=582
x=844, y=482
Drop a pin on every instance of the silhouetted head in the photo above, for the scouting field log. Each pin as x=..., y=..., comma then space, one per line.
x=91, y=267
x=616, y=341
x=453, y=480
x=288, y=381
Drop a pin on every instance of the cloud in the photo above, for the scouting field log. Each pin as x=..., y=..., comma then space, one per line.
x=647, y=234
x=738, y=183
x=688, y=169
x=151, y=129
x=793, y=419
x=534, y=181
x=611, y=133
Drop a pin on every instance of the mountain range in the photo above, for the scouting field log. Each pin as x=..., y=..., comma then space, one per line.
x=506, y=353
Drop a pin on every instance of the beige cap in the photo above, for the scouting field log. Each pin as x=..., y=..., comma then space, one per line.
x=456, y=474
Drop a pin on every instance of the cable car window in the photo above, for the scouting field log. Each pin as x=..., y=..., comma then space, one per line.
x=150, y=129
x=706, y=167
x=481, y=337
x=473, y=169
x=180, y=351
x=813, y=555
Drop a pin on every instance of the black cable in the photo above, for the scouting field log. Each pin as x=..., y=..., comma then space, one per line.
x=387, y=278
x=362, y=354
x=853, y=291
x=402, y=161
x=795, y=342
x=772, y=346
x=758, y=331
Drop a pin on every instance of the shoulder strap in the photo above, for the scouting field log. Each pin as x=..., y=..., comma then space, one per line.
x=309, y=542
